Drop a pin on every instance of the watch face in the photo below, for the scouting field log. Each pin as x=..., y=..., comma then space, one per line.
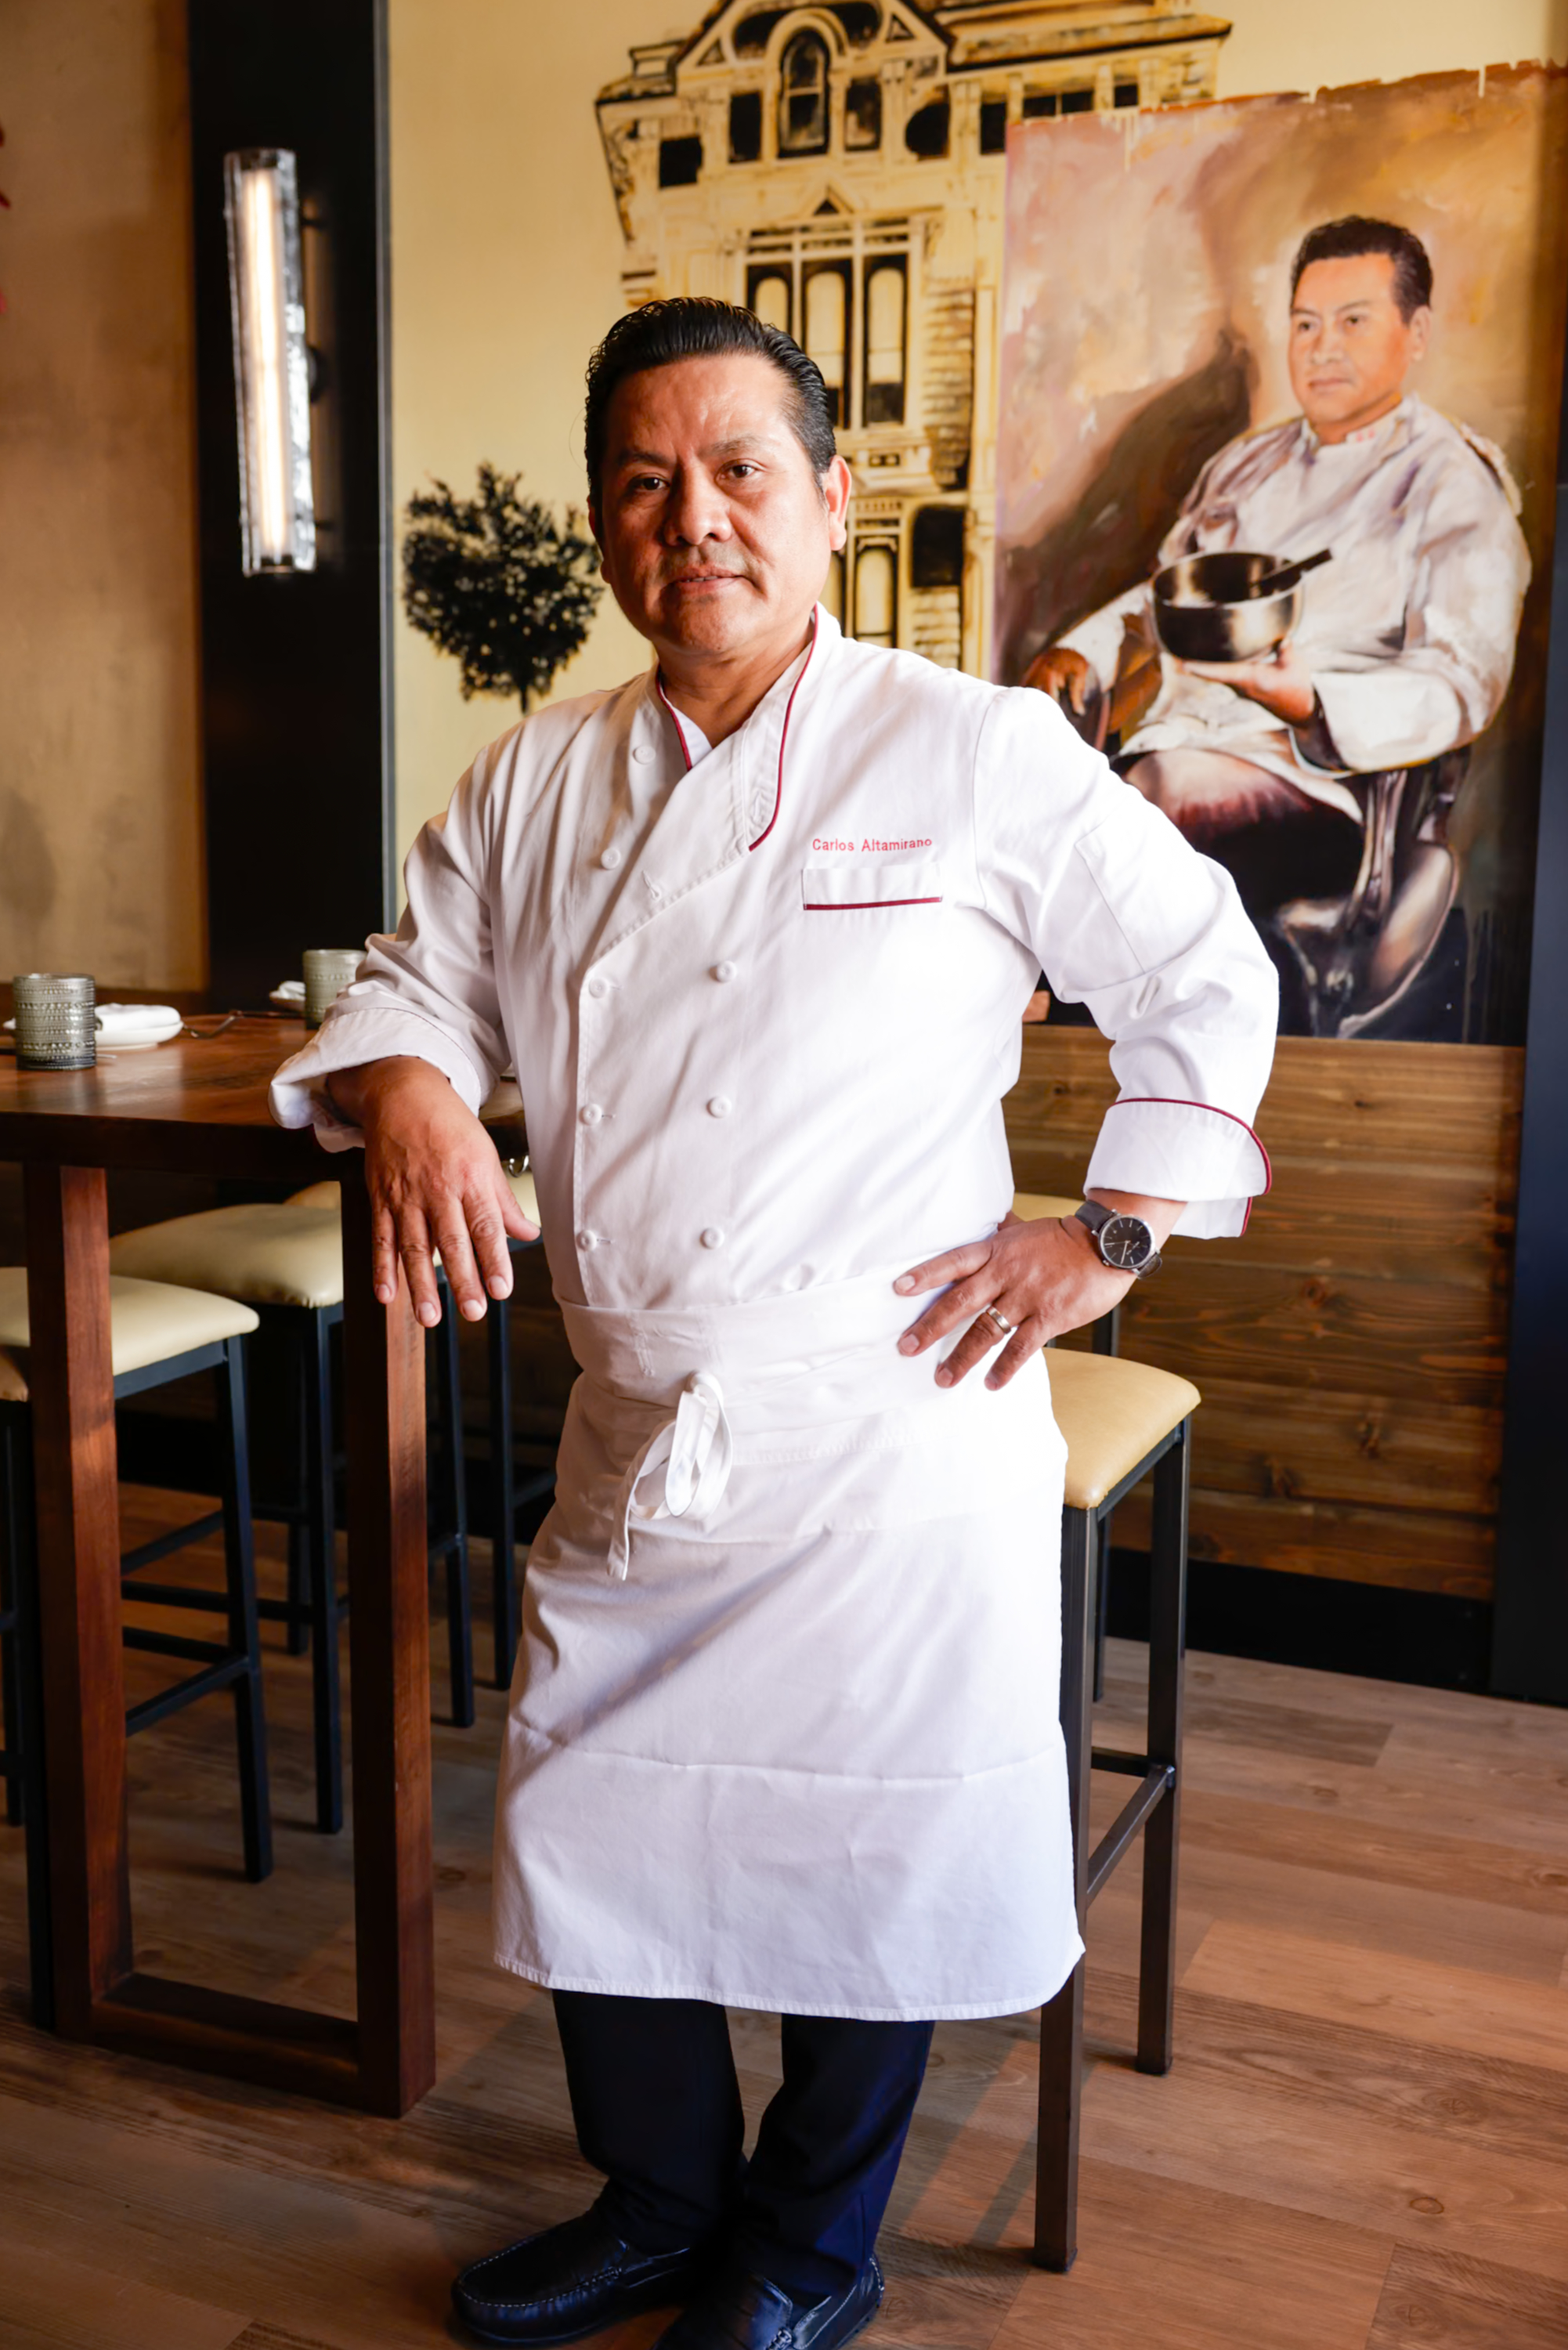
x=1126, y=1243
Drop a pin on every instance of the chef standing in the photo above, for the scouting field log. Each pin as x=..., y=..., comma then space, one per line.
x=757, y=929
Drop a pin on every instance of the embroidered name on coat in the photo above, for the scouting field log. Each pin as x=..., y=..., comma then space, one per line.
x=867, y=848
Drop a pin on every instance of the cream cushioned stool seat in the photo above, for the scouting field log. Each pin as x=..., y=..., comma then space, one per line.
x=269, y=1253
x=1122, y=1422
x=506, y=1493
x=1032, y=1205
x=148, y=1322
x=158, y=1333
x=1112, y=1413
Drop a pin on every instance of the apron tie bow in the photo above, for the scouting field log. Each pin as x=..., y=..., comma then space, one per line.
x=694, y=1449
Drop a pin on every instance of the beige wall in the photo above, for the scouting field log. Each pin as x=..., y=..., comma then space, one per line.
x=506, y=251
x=506, y=271
x=100, y=847
x=1319, y=44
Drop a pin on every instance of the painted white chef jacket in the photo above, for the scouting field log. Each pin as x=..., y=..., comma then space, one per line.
x=783, y=1731
x=1408, y=633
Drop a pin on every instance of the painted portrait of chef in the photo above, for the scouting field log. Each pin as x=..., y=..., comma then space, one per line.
x=1286, y=767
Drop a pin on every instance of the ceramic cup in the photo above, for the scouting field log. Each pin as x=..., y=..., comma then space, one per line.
x=328, y=971
x=56, y=1028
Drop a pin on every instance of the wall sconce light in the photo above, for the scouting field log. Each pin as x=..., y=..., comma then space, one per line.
x=272, y=364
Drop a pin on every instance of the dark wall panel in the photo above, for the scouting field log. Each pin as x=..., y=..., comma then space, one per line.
x=296, y=671
x=1530, y=1652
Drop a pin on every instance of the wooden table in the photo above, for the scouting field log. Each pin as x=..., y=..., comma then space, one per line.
x=201, y=1109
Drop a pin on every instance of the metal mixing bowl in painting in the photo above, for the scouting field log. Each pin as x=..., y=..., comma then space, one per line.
x=1209, y=607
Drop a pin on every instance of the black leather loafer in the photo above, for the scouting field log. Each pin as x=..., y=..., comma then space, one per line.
x=569, y=2282
x=746, y=2313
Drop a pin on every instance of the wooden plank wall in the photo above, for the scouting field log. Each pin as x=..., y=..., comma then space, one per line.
x=1351, y=1345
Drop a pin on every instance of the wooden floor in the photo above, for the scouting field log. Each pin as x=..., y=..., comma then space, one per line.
x=1364, y=2141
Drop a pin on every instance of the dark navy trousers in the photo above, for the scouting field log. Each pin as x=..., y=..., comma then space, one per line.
x=658, y=2109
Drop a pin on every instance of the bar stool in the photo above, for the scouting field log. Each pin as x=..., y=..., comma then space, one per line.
x=156, y=1334
x=286, y=1260
x=502, y=1115
x=507, y=1493
x=1121, y=1421
x=1104, y=1336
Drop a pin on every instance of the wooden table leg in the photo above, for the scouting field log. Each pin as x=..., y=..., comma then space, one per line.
x=71, y=1384
x=388, y=1637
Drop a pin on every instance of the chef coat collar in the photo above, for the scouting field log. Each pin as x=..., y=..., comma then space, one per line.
x=732, y=803
x=762, y=740
x=1400, y=424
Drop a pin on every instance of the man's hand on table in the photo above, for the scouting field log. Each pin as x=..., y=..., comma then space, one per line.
x=1043, y=1277
x=435, y=1183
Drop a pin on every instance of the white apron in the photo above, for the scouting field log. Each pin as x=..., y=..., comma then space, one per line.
x=806, y=1756
x=783, y=1731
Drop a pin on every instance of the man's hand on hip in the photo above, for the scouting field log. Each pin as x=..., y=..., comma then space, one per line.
x=435, y=1183
x=1043, y=1277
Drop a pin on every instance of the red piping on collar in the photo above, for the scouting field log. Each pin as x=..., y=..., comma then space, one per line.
x=784, y=737
x=675, y=720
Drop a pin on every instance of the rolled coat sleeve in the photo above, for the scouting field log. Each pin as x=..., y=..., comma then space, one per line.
x=427, y=990
x=1128, y=918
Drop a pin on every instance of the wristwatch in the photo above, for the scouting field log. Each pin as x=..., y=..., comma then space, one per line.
x=1123, y=1243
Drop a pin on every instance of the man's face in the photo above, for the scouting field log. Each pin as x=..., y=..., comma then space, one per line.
x=714, y=532
x=1351, y=348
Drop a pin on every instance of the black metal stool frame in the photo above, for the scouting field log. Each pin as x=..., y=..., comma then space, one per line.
x=1154, y=1807
x=314, y=1609
x=234, y=1664
x=507, y=1493
x=449, y=1505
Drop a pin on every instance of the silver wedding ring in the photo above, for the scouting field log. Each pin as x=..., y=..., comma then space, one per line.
x=1000, y=1320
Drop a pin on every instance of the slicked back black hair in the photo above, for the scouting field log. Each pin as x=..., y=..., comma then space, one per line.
x=1342, y=240
x=697, y=327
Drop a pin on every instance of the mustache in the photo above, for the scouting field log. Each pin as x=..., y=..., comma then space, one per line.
x=703, y=569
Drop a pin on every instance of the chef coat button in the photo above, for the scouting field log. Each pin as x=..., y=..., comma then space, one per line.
x=587, y=1239
x=713, y=1237
x=642, y=753
x=610, y=859
x=723, y=970
x=598, y=986
x=721, y=1105
x=590, y=1113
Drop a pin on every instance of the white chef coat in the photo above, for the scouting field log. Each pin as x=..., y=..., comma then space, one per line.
x=797, y=1748
x=1408, y=633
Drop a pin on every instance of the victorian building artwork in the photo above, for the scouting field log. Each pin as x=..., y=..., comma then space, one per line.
x=840, y=168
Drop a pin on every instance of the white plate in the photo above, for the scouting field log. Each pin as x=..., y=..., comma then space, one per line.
x=121, y=1030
